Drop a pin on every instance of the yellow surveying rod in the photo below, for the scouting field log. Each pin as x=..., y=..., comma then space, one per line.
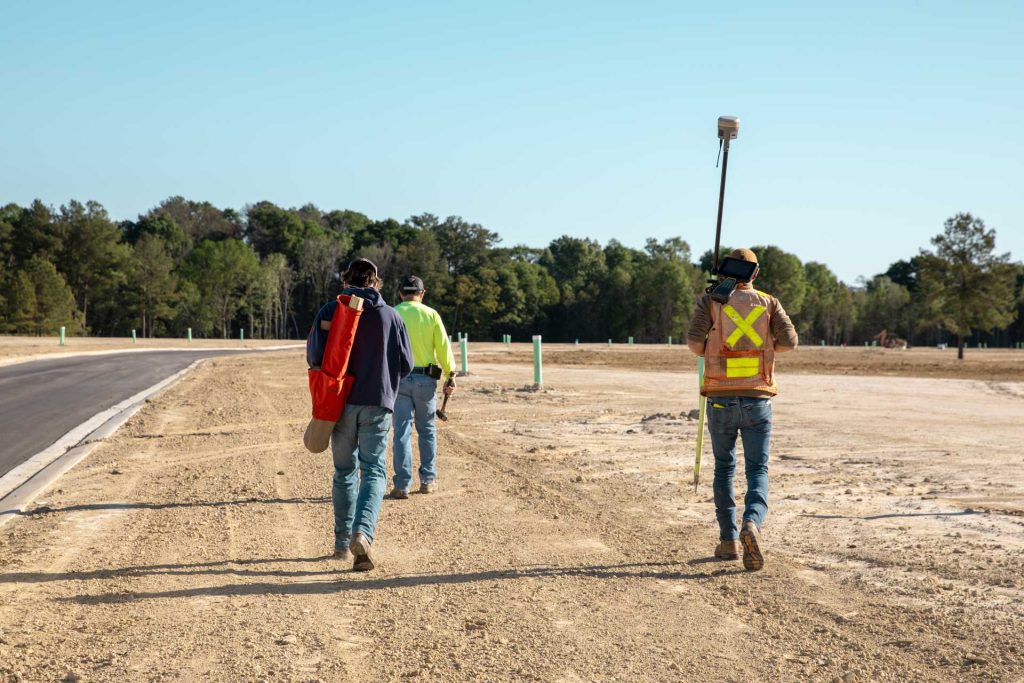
x=702, y=402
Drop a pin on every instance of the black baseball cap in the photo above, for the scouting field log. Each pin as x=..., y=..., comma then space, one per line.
x=363, y=264
x=412, y=284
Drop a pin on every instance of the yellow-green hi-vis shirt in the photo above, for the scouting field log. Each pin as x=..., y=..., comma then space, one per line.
x=428, y=337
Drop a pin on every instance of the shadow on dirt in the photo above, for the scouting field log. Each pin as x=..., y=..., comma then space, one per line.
x=959, y=513
x=333, y=581
x=47, y=510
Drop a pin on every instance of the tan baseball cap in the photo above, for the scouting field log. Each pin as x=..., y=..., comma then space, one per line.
x=744, y=255
x=318, y=435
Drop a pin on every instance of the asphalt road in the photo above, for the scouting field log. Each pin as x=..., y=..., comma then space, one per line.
x=42, y=400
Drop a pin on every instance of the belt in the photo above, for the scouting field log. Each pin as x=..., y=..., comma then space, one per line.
x=420, y=371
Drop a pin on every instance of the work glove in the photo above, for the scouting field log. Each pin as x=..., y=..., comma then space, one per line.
x=449, y=386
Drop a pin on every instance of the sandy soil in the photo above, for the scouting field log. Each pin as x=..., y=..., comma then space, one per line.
x=993, y=364
x=19, y=348
x=565, y=544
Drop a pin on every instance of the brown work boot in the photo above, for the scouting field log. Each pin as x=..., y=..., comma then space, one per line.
x=728, y=550
x=363, y=555
x=399, y=494
x=342, y=554
x=750, y=537
x=428, y=488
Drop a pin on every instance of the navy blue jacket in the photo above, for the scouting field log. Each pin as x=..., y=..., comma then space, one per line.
x=381, y=353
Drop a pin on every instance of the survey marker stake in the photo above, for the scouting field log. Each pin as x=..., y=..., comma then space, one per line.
x=702, y=403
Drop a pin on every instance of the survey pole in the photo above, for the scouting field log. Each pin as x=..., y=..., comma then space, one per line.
x=702, y=404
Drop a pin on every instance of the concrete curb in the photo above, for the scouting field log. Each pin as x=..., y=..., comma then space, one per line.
x=20, y=486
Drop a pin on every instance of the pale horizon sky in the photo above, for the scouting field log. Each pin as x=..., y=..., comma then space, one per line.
x=864, y=126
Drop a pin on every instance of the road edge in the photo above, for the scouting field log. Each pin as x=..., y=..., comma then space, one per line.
x=24, y=483
x=18, y=360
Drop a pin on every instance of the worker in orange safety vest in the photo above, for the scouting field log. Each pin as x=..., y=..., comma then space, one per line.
x=739, y=340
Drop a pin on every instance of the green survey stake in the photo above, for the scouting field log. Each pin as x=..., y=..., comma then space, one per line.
x=702, y=403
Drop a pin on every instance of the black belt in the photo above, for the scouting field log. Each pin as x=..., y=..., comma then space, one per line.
x=432, y=371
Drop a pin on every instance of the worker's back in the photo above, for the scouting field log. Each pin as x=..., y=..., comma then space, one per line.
x=427, y=335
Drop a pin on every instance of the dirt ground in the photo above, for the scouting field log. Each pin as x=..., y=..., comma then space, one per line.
x=566, y=542
x=995, y=364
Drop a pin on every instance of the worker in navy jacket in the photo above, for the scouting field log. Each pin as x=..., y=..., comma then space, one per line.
x=381, y=356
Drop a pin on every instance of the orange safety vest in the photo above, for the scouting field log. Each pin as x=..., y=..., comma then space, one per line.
x=740, y=353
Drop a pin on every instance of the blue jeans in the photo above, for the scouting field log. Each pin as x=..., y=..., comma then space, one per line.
x=752, y=419
x=417, y=400
x=361, y=433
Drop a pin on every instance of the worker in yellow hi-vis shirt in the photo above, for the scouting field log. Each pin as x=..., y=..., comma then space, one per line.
x=739, y=341
x=417, y=393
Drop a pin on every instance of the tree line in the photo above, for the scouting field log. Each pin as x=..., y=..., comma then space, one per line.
x=267, y=269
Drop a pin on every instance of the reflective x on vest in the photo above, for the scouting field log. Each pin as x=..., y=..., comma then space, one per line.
x=744, y=326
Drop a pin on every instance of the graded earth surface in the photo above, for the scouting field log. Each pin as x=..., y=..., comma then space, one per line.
x=565, y=542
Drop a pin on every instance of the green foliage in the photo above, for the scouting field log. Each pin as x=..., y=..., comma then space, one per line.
x=782, y=275
x=524, y=290
x=200, y=221
x=92, y=257
x=970, y=286
x=39, y=301
x=152, y=286
x=664, y=283
x=318, y=259
x=164, y=227
x=20, y=304
x=818, y=319
x=37, y=233
x=187, y=264
x=222, y=272
x=271, y=229
x=579, y=269
x=8, y=218
x=885, y=307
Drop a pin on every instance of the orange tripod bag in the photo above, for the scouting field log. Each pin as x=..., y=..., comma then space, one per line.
x=330, y=384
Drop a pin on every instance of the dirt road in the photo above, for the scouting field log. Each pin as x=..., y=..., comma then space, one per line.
x=563, y=545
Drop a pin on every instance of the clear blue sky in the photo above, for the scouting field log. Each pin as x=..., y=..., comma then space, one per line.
x=863, y=127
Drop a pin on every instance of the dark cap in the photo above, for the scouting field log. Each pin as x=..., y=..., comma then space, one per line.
x=362, y=264
x=411, y=284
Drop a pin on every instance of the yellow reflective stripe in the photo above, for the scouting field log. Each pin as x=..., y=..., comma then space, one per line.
x=742, y=367
x=744, y=326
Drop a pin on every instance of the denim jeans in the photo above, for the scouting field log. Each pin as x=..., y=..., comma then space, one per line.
x=416, y=401
x=752, y=419
x=360, y=434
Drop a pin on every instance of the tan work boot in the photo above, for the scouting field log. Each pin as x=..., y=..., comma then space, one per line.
x=342, y=554
x=428, y=488
x=363, y=555
x=728, y=550
x=399, y=494
x=750, y=537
